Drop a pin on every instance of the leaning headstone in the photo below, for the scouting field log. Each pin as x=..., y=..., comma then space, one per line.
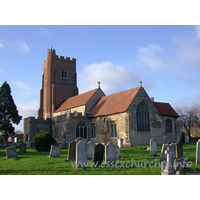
x=90, y=149
x=28, y=144
x=54, y=152
x=98, y=154
x=72, y=151
x=23, y=148
x=198, y=152
x=179, y=164
x=173, y=150
x=81, y=154
x=5, y=144
x=163, y=156
x=167, y=165
x=153, y=147
x=11, y=152
x=110, y=153
x=179, y=150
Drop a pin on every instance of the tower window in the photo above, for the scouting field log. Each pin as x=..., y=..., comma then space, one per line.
x=64, y=74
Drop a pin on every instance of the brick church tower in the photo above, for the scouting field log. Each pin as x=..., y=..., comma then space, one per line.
x=59, y=82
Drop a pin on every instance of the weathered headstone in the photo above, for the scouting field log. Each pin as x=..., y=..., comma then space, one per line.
x=167, y=165
x=28, y=144
x=179, y=150
x=10, y=139
x=198, y=152
x=15, y=139
x=179, y=164
x=163, y=156
x=5, y=144
x=120, y=143
x=13, y=143
x=54, y=152
x=90, y=149
x=81, y=154
x=117, y=151
x=153, y=147
x=98, y=154
x=110, y=153
x=78, y=139
x=72, y=151
x=187, y=138
x=11, y=152
x=23, y=148
x=173, y=150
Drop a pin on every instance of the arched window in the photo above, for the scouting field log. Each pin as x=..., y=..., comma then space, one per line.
x=81, y=130
x=168, y=125
x=142, y=117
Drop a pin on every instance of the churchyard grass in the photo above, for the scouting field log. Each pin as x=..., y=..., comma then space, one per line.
x=39, y=163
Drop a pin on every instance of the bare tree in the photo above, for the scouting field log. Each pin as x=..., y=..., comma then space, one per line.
x=189, y=118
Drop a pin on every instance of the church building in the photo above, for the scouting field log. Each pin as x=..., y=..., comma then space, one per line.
x=130, y=115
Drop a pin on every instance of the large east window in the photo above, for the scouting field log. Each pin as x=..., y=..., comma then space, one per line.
x=81, y=130
x=142, y=113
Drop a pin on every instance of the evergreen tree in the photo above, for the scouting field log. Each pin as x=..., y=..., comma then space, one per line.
x=8, y=111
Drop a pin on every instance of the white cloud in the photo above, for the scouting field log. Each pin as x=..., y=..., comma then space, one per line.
x=113, y=78
x=151, y=56
x=1, y=45
x=44, y=31
x=23, y=46
x=21, y=85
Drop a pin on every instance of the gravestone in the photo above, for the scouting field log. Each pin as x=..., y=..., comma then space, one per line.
x=15, y=139
x=173, y=150
x=198, y=152
x=11, y=152
x=28, y=144
x=10, y=139
x=13, y=143
x=72, y=151
x=90, y=149
x=120, y=143
x=54, y=152
x=167, y=165
x=117, y=151
x=110, y=153
x=179, y=164
x=163, y=156
x=153, y=147
x=78, y=139
x=23, y=148
x=81, y=154
x=187, y=138
x=179, y=150
x=5, y=144
x=98, y=154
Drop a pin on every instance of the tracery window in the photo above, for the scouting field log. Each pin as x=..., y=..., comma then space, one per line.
x=81, y=130
x=142, y=114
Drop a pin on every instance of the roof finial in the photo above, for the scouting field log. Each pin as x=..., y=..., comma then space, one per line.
x=51, y=39
x=99, y=83
x=140, y=82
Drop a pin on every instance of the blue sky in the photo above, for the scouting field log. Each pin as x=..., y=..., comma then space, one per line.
x=165, y=58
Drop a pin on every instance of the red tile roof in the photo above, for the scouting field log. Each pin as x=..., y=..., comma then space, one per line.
x=78, y=100
x=165, y=109
x=114, y=103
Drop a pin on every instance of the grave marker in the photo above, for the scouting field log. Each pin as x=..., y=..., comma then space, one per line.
x=81, y=154
x=72, y=151
x=179, y=164
x=90, y=149
x=198, y=152
x=179, y=150
x=153, y=147
x=28, y=144
x=54, y=152
x=163, y=156
x=11, y=152
x=23, y=148
x=110, y=153
x=98, y=154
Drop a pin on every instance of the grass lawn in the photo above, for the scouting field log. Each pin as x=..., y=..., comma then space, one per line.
x=38, y=163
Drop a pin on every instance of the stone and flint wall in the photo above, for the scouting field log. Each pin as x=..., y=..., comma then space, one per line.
x=33, y=125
